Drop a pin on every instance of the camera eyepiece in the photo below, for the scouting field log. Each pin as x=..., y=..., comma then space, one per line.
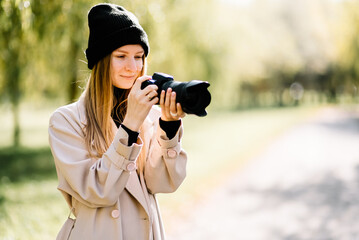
x=193, y=96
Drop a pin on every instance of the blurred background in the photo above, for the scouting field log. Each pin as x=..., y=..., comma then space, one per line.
x=272, y=65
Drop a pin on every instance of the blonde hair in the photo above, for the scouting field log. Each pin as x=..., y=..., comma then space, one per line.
x=99, y=103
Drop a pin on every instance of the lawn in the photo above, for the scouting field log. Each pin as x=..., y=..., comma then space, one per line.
x=217, y=145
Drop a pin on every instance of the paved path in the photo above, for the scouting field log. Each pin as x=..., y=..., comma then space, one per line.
x=304, y=186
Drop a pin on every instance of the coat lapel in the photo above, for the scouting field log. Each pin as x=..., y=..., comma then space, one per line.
x=134, y=185
x=134, y=188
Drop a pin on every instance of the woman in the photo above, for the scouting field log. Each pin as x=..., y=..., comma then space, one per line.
x=113, y=149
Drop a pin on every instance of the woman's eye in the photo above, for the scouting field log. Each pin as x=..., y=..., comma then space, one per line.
x=138, y=57
x=121, y=56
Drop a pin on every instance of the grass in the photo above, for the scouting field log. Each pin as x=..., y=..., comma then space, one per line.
x=217, y=145
x=32, y=209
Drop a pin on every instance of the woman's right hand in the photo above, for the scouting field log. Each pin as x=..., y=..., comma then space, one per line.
x=139, y=103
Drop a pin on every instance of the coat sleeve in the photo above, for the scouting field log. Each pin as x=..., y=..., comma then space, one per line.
x=96, y=182
x=166, y=165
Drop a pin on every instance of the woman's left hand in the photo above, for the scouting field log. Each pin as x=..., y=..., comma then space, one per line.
x=171, y=111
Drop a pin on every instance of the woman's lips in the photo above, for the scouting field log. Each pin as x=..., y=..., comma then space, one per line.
x=128, y=77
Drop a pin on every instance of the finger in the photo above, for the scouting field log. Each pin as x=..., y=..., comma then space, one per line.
x=173, y=108
x=154, y=100
x=139, y=81
x=143, y=78
x=168, y=101
x=180, y=111
x=151, y=87
x=162, y=99
x=168, y=98
x=152, y=94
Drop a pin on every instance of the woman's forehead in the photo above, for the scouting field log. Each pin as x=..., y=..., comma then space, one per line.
x=130, y=48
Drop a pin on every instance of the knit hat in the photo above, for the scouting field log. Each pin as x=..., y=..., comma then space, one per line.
x=112, y=26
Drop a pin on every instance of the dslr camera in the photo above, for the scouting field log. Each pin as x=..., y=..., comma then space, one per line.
x=193, y=96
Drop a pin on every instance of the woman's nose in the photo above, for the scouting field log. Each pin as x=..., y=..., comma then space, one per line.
x=131, y=65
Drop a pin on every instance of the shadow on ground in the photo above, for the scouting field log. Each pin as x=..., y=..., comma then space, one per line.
x=322, y=207
x=348, y=125
x=20, y=164
x=325, y=209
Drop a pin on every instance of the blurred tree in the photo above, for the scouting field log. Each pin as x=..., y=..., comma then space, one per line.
x=181, y=39
x=350, y=50
x=266, y=44
x=61, y=29
x=75, y=33
x=278, y=40
x=29, y=33
x=14, y=18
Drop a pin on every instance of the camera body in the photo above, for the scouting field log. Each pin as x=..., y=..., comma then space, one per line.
x=193, y=96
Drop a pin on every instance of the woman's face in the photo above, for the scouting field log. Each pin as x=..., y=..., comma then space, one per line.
x=126, y=65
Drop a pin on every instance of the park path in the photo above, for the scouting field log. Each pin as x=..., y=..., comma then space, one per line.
x=305, y=185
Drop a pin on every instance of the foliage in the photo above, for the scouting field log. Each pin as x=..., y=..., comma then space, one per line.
x=219, y=41
x=251, y=52
x=285, y=42
x=349, y=61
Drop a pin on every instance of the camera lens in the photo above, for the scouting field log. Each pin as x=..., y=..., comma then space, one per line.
x=193, y=96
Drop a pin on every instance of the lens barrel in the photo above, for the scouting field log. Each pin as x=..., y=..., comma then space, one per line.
x=193, y=96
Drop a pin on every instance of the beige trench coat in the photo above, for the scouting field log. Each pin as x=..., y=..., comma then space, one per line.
x=108, y=198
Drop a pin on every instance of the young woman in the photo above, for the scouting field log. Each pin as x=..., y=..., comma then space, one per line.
x=113, y=149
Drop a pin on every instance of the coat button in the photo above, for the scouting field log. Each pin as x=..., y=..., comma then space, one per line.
x=171, y=153
x=131, y=167
x=115, y=213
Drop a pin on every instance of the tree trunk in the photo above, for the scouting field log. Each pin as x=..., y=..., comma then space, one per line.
x=13, y=43
x=16, y=129
x=13, y=78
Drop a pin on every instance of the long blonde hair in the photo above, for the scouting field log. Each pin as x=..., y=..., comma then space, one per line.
x=99, y=103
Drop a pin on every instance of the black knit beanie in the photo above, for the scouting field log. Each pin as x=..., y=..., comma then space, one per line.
x=112, y=26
